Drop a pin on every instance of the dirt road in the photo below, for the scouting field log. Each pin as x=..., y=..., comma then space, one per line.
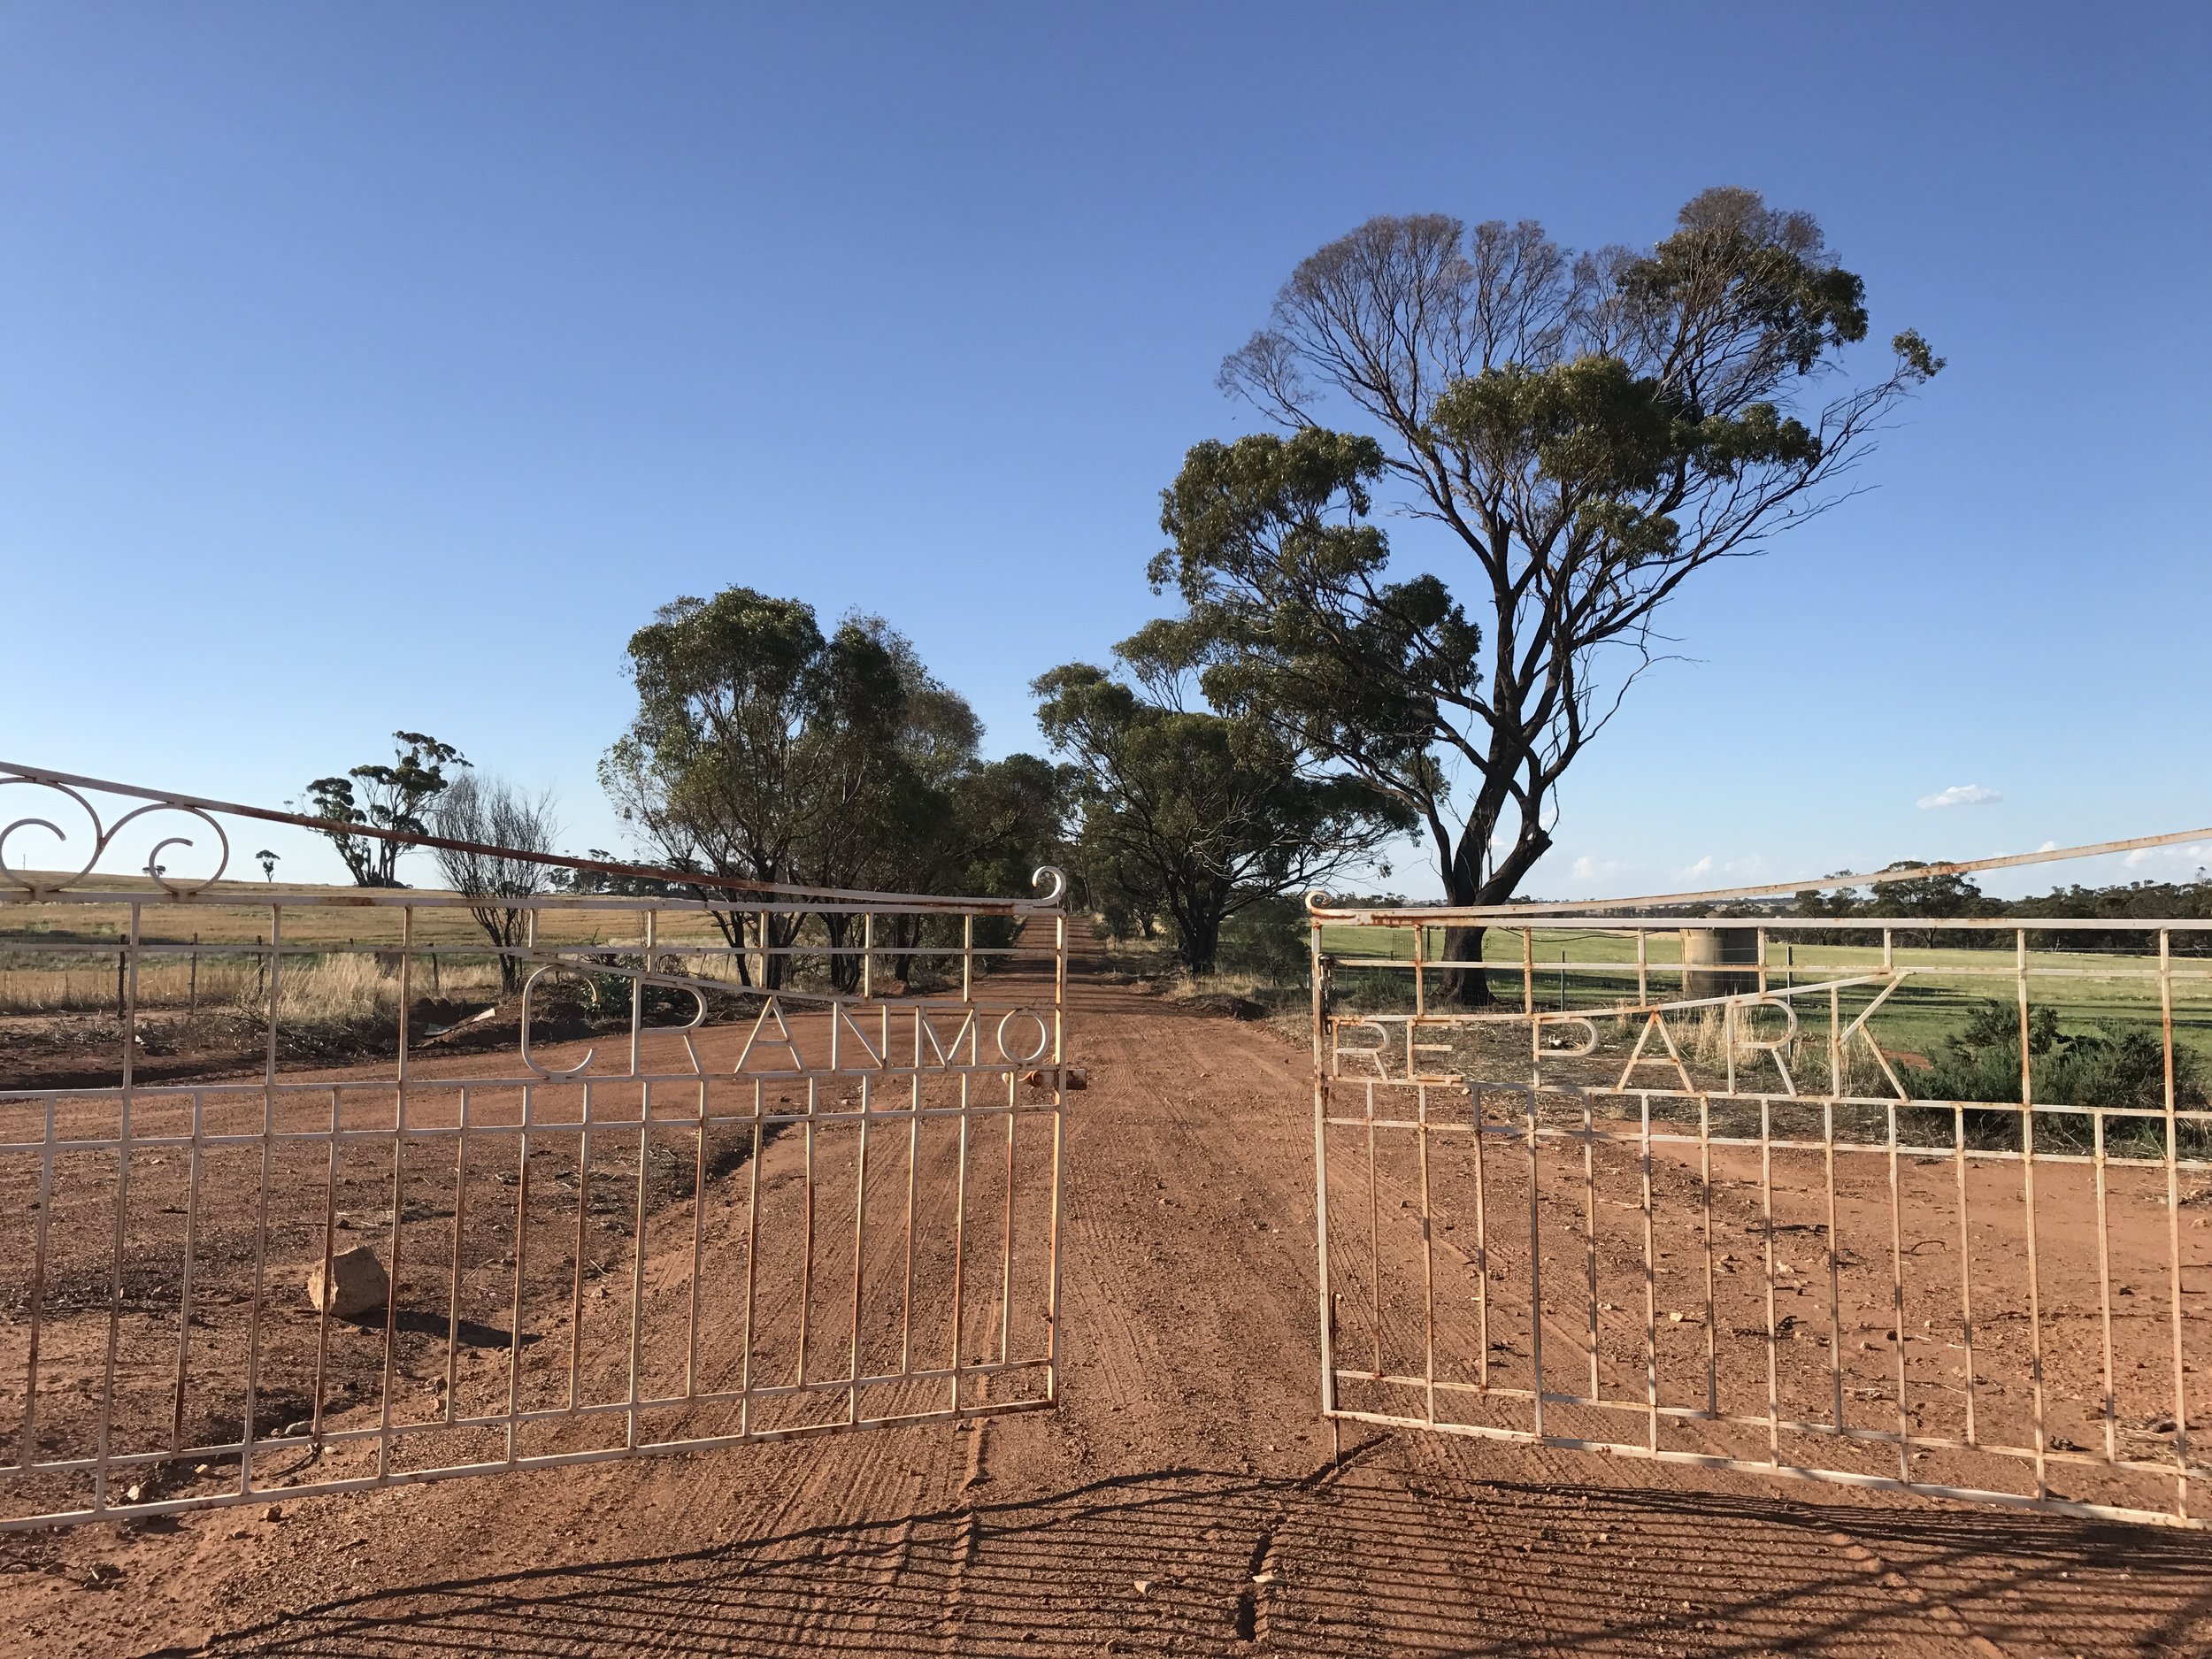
x=1182, y=1500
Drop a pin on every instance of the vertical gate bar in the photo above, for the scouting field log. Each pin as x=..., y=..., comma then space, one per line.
x=1374, y=1239
x=1651, y=1290
x=1966, y=1261
x=1762, y=962
x=399, y=1199
x=752, y=1265
x=1528, y=976
x=330, y=1291
x=960, y=1237
x=1482, y=1248
x=860, y=1247
x=2173, y=1221
x=191, y=1250
x=2027, y=1196
x=453, y=1285
x=122, y=1208
x=806, y=1247
x=1428, y=1260
x=275, y=959
x=1766, y=1199
x=1897, y=1299
x=637, y=985
x=637, y=1256
x=522, y=1251
x=1535, y=1270
x=698, y=1243
x=1728, y=1041
x=967, y=958
x=1006, y=1255
x=1318, y=987
x=1835, y=1314
x=1643, y=967
x=868, y=956
x=2104, y=1280
x=913, y=1179
x=1059, y=1113
x=1835, y=1042
x=1705, y=1199
x=1590, y=1232
x=38, y=1286
x=581, y=1252
x=1420, y=967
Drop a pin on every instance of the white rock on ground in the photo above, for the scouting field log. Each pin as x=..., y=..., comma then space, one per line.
x=357, y=1284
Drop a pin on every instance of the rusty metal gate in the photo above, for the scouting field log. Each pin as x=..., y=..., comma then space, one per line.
x=319, y=1191
x=1915, y=1204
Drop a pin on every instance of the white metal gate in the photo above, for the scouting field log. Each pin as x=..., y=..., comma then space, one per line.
x=633, y=1205
x=1695, y=1189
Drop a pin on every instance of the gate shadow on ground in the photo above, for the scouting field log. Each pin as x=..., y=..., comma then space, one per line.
x=1354, y=1560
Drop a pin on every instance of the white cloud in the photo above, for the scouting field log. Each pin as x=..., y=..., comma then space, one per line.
x=1959, y=794
x=2194, y=856
x=1702, y=867
x=2047, y=847
x=1589, y=869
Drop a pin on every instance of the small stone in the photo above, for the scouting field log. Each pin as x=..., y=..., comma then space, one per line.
x=357, y=1284
x=1144, y=1586
x=274, y=1512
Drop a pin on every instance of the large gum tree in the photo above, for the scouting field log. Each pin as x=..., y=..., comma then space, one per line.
x=1588, y=430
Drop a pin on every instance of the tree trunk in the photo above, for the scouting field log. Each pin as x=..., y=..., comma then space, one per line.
x=1465, y=987
x=1201, y=943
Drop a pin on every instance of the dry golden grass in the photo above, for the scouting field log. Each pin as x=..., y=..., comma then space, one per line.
x=338, y=987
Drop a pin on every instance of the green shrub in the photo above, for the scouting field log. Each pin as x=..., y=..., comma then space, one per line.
x=2112, y=1065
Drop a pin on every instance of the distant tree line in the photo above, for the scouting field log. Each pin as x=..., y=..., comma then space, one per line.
x=1954, y=897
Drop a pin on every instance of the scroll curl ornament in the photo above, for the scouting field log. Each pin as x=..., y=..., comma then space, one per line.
x=104, y=836
x=1051, y=882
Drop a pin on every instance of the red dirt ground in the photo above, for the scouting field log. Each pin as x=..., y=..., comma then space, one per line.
x=1182, y=1500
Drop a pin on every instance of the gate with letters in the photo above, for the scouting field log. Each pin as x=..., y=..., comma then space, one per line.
x=1881, y=1200
x=303, y=1191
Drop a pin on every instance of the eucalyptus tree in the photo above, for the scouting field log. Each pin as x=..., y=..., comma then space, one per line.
x=492, y=813
x=751, y=747
x=394, y=797
x=1193, y=815
x=1587, y=431
x=764, y=748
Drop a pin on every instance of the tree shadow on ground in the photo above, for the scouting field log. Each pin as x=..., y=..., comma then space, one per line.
x=1354, y=1560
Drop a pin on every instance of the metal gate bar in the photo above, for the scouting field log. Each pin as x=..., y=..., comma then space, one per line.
x=778, y=1213
x=1646, y=1103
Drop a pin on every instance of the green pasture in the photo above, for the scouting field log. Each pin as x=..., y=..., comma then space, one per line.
x=2086, y=988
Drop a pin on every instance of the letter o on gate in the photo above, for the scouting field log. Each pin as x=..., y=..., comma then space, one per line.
x=1044, y=1037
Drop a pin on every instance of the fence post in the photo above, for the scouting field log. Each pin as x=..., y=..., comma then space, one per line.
x=192, y=995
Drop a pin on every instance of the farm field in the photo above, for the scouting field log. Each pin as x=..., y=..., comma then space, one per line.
x=1574, y=970
x=1183, y=1500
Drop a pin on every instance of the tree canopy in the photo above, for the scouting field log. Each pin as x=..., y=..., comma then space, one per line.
x=766, y=749
x=1588, y=431
x=1193, y=815
x=393, y=797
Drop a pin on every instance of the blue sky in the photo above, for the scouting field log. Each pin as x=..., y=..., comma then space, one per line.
x=378, y=367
